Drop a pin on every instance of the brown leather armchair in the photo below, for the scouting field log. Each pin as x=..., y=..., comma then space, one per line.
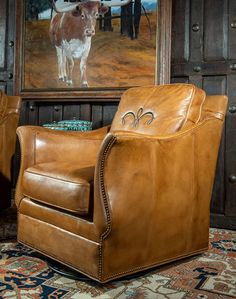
x=9, y=116
x=114, y=203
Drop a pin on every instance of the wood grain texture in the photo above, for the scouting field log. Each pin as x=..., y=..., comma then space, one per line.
x=211, y=66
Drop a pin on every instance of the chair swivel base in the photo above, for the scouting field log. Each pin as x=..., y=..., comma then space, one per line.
x=72, y=274
x=66, y=271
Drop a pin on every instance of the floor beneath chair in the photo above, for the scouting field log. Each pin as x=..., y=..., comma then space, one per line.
x=212, y=275
x=8, y=220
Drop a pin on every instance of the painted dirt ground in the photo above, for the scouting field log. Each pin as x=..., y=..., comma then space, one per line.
x=114, y=60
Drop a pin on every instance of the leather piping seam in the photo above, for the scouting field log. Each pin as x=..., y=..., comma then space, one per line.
x=60, y=228
x=193, y=91
x=93, y=275
x=57, y=179
x=47, y=207
x=146, y=267
x=103, y=194
x=81, y=211
x=215, y=114
x=201, y=108
x=17, y=199
x=73, y=135
x=179, y=134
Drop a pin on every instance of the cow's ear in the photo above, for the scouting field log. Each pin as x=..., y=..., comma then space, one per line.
x=77, y=11
x=103, y=9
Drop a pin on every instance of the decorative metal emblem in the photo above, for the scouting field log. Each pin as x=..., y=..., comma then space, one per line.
x=138, y=117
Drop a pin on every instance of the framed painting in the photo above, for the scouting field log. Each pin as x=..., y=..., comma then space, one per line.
x=90, y=46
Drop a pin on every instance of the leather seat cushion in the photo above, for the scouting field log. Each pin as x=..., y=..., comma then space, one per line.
x=62, y=185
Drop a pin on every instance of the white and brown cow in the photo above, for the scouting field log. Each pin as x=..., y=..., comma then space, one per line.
x=71, y=30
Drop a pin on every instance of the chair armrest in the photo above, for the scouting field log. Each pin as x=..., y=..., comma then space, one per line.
x=41, y=145
x=8, y=126
x=139, y=176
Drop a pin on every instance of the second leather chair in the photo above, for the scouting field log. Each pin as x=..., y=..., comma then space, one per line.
x=9, y=116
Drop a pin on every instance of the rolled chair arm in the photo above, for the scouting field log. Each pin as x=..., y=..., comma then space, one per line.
x=154, y=174
x=41, y=145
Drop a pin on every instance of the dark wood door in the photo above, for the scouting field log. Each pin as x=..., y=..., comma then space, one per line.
x=7, y=44
x=204, y=53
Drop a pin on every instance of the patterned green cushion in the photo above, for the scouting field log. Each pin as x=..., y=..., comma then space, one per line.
x=70, y=125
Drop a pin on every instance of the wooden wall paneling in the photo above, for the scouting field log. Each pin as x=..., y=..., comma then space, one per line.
x=211, y=66
x=218, y=191
x=32, y=112
x=10, y=45
x=3, y=49
x=232, y=29
x=57, y=111
x=231, y=149
x=71, y=110
x=231, y=86
x=7, y=31
x=195, y=30
x=45, y=113
x=218, y=85
x=3, y=26
x=231, y=166
x=195, y=42
x=231, y=117
x=97, y=115
x=179, y=80
x=85, y=111
x=109, y=111
x=215, y=30
x=215, y=84
x=39, y=112
x=196, y=80
x=24, y=113
x=180, y=31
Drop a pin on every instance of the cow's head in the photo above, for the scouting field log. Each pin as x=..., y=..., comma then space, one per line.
x=87, y=11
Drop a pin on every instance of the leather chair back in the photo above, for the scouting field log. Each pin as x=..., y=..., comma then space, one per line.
x=158, y=111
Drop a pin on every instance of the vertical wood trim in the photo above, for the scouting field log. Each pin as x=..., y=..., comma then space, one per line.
x=187, y=32
x=3, y=33
x=85, y=112
x=18, y=51
x=215, y=33
x=11, y=34
x=196, y=36
x=232, y=29
x=97, y=116
x=163, y=44
x=180, y=31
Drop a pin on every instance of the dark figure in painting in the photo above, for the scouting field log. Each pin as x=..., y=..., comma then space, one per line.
x=105, y=23
x=32, y=11
x=130, y=19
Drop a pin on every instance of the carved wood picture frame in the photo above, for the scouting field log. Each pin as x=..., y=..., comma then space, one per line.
x=103, y=93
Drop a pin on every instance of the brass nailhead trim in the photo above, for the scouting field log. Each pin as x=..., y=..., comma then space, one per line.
x=107, y=148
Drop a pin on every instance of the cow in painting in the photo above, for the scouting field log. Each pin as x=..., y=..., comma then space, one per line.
x=71, y=31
